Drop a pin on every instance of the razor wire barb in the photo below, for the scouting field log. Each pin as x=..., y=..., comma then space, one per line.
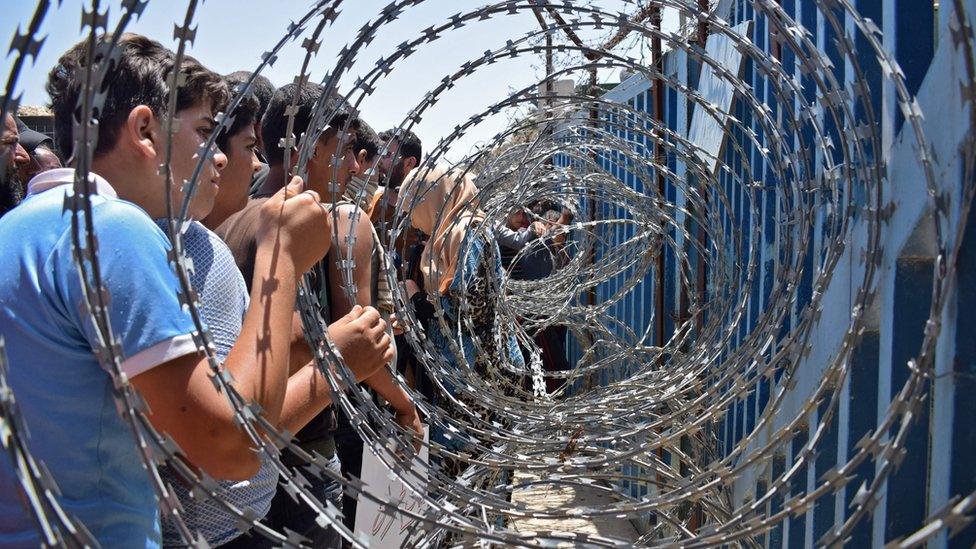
x=656, y=397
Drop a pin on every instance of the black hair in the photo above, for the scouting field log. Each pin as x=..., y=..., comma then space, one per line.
x=246, y=114
x=409, y=143
x=366, y=139
x=262, y=88
x=138, y=77
x=275, y=121
x=10, y=188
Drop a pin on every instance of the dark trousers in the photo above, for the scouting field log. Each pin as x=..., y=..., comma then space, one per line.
x=552, y=342
x=349, y=448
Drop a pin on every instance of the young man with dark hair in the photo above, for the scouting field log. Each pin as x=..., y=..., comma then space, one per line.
x=238, y=229
x=403, y=154
x=12, y=159
x=263, y=90
x=335, y=142
x=361, y=189
x=367, y=140
x=63, y=392
x=239, y=142
x=360, y=335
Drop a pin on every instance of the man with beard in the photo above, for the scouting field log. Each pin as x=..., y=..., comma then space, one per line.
x=403, y=153
x=12, y=156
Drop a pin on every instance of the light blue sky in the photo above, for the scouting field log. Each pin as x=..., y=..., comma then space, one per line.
x=232, y=34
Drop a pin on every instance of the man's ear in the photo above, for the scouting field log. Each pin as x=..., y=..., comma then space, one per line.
x=318, y=152
x=409, y=163
x=141, y=131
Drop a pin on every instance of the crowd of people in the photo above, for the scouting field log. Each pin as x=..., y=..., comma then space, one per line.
x=254, y=231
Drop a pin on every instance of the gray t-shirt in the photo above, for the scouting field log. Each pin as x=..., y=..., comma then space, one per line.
x=224, y=300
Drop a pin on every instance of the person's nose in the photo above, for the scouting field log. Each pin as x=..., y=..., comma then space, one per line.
x=354, y=167
x=21, y=158
x=219, y=160
x=255, y=162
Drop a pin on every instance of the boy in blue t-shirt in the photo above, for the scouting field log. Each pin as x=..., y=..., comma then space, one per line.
x=66, y=398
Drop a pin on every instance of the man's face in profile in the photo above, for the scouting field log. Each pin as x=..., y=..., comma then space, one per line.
x=321, y=167
x=196, y=125
x=385, y=163
x=12, y=156
x=11, y=152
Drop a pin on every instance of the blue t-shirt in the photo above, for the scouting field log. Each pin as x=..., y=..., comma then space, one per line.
x=66, y=398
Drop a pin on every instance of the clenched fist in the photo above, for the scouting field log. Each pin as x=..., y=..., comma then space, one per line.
x=296, y=226
x=362, y=341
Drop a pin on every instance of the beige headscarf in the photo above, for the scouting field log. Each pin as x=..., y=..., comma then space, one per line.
x=445, y=208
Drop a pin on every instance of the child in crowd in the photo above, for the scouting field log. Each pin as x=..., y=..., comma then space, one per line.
x=65, y=395
x=360, y=335
x=333, y=153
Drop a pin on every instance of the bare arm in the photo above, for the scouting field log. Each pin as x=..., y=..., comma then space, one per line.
x=362, y=255
x=361, y=334
x=300, y=354
x=307, y=395
x=265, y=340
x=382, y=381
x=180, y=395
x=183, y=403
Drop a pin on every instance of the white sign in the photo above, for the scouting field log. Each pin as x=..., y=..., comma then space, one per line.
x=381, y=529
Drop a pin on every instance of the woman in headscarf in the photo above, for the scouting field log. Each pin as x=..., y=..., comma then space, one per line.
x=461, y=261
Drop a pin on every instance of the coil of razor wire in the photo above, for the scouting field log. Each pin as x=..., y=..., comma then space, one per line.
x=630, y=398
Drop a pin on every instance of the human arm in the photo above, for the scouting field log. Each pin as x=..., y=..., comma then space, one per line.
x=300, y=353
x=181, y=397
x=382, y=380
x=349, y=224
x=361, y=333
x=422, y=306
x=565, y=217
x=405, y=412
x=516, y=240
